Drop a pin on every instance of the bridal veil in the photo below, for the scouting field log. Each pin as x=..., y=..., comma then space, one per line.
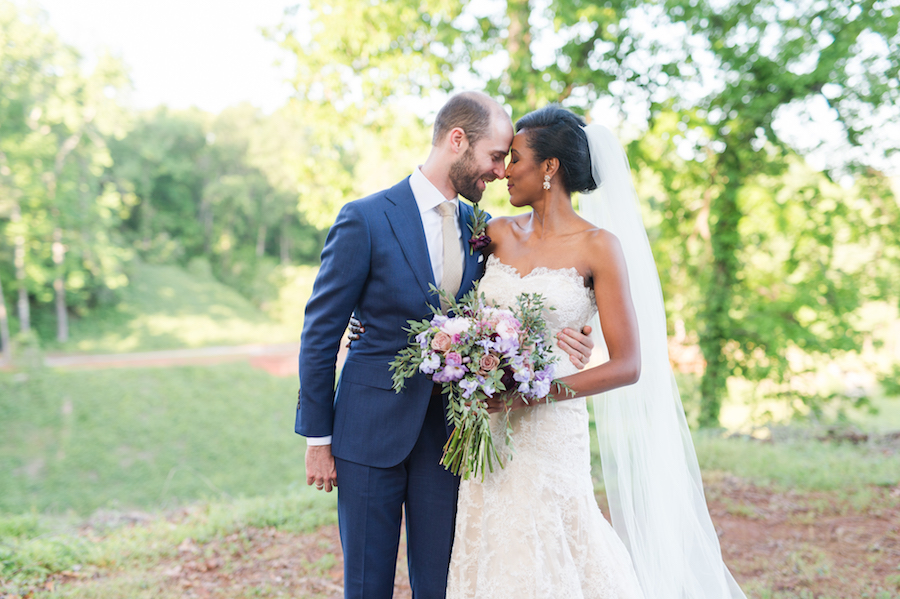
x=650, y=468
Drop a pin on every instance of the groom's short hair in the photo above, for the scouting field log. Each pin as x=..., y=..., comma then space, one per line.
x=470, y=111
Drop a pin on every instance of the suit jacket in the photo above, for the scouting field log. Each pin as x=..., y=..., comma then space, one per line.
x=375, y=262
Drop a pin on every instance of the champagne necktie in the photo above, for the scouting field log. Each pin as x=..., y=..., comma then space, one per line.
x=452, y=276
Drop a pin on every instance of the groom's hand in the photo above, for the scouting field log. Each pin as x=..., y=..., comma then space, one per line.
x=579, y=346
x=320, y=467
x=356, y=329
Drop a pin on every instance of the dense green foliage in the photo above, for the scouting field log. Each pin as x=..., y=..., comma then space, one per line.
x=87, y=186
x=218, y=187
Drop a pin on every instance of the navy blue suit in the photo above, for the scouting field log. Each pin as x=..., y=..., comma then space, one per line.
x=387, y=446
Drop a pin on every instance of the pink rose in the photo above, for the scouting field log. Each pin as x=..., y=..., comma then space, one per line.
x=488, y=363
x=453, y=358
x=441, y=342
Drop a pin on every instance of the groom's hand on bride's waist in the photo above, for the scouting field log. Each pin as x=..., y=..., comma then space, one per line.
x=356, y=329
x=578, y=345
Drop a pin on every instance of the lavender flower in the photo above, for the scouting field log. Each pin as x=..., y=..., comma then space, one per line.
x=431, y=363
x=468, y=386
x=422, y=339
x=450, y=374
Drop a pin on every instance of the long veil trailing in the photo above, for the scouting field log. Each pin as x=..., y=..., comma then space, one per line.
x=649, y=466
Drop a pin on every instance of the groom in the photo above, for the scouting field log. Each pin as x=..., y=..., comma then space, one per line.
x=382, y=447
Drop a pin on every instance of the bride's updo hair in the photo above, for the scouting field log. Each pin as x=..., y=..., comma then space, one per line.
x=554, y=132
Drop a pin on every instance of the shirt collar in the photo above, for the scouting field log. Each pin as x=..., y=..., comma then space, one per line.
x=427, y=195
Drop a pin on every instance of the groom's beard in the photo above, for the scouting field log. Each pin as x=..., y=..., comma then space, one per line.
x=465, y=176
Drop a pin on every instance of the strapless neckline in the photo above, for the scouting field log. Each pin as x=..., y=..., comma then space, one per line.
x=537, y=271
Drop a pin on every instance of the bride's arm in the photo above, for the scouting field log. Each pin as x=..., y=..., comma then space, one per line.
x=617, y=321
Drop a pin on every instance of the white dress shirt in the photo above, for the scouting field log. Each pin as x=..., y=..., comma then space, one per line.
x=427, y=198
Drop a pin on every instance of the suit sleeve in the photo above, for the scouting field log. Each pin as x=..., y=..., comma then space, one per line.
x=342, y=276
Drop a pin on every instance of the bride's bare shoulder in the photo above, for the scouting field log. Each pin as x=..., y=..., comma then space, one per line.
x=501, y=226
x=601, y=239
x=603, y=247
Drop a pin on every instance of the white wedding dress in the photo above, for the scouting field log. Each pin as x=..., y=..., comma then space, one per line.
x=533, y=530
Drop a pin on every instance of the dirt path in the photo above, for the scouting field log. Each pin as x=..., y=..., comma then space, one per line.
x=278, y=359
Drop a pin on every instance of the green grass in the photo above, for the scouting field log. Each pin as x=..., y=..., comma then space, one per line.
x=144, y=438
x=168, y=307
x=43, y=546
x=809, y=465
x=803, y=464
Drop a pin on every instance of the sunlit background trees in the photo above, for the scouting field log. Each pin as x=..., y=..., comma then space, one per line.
x=761, y=135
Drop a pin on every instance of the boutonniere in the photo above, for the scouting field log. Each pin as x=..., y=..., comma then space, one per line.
x=478, y=227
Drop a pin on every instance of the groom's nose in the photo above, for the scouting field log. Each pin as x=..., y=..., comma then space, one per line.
x=500, y=168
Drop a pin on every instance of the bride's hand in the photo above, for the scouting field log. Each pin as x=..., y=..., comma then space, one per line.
x=578, y=345
x=512, y=400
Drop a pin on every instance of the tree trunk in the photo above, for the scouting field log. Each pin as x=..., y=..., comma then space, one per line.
x=19, y=259
x=725, y=217
x=518, y=81
x=285, y=240
x=4, y=328
x=261, y=241
x=59, y=286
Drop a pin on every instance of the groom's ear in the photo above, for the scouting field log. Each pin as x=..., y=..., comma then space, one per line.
x=458, y=140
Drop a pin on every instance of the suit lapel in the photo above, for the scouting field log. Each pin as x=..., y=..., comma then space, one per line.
x=407, y=226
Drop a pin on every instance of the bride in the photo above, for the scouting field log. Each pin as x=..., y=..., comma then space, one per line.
x=533, y=529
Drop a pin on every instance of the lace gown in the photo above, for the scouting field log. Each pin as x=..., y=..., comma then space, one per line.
x=533, y=530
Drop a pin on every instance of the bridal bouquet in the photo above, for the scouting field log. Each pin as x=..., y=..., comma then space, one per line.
x=480, y=351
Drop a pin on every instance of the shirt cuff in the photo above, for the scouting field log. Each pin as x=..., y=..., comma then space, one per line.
x=318, y=441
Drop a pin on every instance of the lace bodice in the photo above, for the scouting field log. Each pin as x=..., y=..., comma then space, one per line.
x=563, y=289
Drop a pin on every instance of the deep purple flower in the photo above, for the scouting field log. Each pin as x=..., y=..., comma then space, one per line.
x=480, y=242
x=507, y=378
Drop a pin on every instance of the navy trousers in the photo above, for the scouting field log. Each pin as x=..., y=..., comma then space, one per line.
x=370, y=505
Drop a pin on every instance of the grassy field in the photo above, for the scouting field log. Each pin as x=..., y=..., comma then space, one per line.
x=167, y=307
x=144, y=438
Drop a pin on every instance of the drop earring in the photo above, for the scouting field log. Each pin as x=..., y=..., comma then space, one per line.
x=546, y=181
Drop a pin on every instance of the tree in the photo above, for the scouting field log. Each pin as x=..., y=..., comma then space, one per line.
x=767, y=57
x=54, y=119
